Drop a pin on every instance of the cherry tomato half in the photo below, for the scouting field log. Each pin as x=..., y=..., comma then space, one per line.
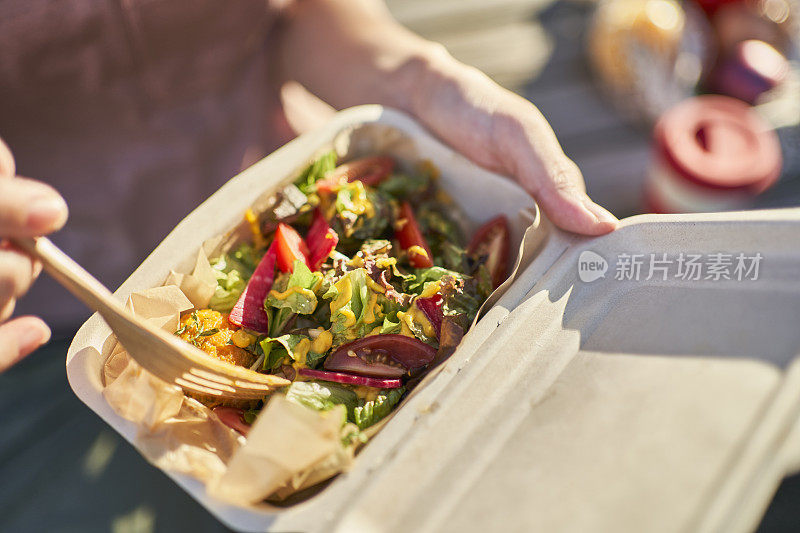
x=381, y=356
x=492, y=242
x=369, y=170
x=411, y=239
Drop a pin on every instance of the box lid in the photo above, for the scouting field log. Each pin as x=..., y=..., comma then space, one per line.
x=622, y=402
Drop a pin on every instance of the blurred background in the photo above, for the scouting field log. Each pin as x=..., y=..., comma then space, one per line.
x=605, y=74
x=665, y=106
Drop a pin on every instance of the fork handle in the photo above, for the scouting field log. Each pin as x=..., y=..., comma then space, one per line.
x=70, y=274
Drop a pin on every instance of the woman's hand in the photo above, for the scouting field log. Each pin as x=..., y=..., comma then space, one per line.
x=28, y=208
x=351, y=52
x=505, y=133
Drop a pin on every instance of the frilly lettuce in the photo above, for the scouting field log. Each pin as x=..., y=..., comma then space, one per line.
x=368, y=413
x=356, y=308
x=316, y=171
x=323, y=396
x=232, y=271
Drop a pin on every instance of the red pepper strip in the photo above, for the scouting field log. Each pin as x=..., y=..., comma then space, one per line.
x=249, y=309
x=432, y=307
x=351, y=379
x=290, y=247
x=321, y=240
x=408, y=234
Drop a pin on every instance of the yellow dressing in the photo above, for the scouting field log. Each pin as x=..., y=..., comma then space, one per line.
x=300, y=351
x=366, y=393
x=356, y=261
x=430, y=289
x=350, y=317
x=285, y=294
x=417, y=250
x=405, y=320
x=374, y=286
x=385, y=262
x=242, y=339
x=345, y=289
x=421, y=319
x=415, y=316
x=369, y=315
x=255, y=229
x=323, y=342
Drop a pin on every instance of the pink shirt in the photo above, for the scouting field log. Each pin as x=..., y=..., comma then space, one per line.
x=136, y=111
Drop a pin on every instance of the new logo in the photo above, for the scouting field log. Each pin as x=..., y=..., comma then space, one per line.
x=591, y=266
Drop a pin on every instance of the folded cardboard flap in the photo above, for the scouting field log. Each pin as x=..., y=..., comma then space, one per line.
x=589, y=437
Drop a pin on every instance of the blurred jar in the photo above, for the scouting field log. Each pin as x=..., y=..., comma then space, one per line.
x=711, y=153
x=771, y=21
x=648, y=54
x=751, y=69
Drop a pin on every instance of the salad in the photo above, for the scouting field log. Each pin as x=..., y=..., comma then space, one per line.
x=358, y=279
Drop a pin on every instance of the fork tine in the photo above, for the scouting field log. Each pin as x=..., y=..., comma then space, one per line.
x=252, y=386
x=206, y=382
x=193, y=387
x=212, y=376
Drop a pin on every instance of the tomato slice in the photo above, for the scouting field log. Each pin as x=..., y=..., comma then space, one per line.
x=369, y=170
x=249, y=309
x=411, y=239
x=491, y=241
x=321, y=240
x=381, y=356
x=290, y=247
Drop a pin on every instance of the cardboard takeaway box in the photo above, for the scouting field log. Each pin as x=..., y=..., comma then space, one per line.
x=615, y=385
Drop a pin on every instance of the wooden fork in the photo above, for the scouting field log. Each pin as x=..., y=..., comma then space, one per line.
x=164, y=355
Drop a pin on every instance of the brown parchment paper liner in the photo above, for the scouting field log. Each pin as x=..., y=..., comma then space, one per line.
x=289, y=447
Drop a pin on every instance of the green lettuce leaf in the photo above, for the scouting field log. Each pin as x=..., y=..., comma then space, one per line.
x=322, y=396
x=316, y=171
x=369, y=413
x=416, y=284
x=232, y=271
x=277, y=348
x=402, y=186
x=302, y=302
x=390, y=326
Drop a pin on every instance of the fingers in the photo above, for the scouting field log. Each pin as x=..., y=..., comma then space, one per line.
x=29, y=208
x=17, y=272
x=19, y=337
x=561, y=193
x=7, y=167
x=531, y=153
